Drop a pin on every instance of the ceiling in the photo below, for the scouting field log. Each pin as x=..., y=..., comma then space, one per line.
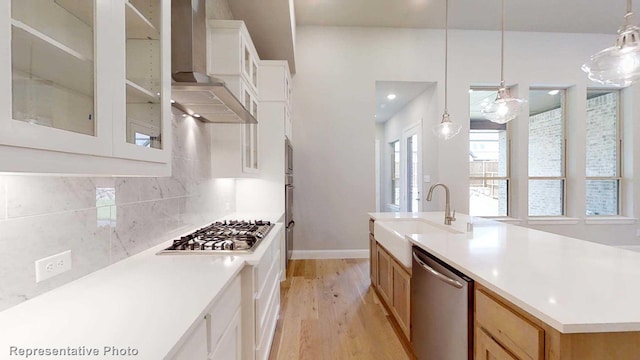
x=273, y=35
x=576, y=16
x=405, y=91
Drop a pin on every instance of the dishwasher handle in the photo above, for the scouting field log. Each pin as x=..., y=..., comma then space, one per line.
x=436, y=274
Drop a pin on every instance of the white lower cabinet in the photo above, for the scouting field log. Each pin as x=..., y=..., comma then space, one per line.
x=261, y=296
x=195, y=345
x=217, y=336
x=230, y=344
x=242, y=321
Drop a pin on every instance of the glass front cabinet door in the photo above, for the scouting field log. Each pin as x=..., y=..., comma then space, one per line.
x=84, y=86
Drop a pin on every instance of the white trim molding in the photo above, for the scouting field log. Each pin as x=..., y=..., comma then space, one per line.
x=504, y=219
x=551, y=220
x=330, y=254
x=609, y=220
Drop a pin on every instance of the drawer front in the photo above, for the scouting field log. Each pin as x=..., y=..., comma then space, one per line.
x=221, y=313
x=268, y=330
x=266, y=296
x=515, y=333
x=262, y=269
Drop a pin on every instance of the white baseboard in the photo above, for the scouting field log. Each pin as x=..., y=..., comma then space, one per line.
x=330, y=254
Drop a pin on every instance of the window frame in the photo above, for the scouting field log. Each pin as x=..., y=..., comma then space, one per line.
x=395, y=181
x=507, y=177
x=619, y=148
x=563, y=177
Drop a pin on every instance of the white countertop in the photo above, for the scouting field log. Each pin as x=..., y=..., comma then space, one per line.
x=147, y=302
x=575, y=286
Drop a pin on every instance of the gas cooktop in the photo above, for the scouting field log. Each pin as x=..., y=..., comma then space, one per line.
x=228, y=236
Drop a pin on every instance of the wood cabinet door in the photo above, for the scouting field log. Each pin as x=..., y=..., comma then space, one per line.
x=401, y=296
x=373, y=268
x=383, y=275
x=522, y=337
x=489, y=349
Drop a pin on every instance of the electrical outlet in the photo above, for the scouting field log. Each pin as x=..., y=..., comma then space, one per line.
x=53, y=265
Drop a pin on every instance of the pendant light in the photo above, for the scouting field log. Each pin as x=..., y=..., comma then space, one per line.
x=505, y=108
x=618, y=65
x=446, y=129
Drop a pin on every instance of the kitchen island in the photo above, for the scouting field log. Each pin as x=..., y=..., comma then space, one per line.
x=540, y=295
x=152, y=307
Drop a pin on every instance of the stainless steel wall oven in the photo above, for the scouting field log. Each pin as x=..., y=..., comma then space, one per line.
x=288, y=197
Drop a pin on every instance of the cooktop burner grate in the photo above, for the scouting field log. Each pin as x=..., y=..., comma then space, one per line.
x=222, y=237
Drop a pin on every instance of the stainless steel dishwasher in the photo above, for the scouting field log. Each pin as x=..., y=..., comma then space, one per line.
x=441, y=310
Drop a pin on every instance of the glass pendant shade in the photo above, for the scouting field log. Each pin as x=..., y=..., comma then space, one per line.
x=446, y=129
x=618, y=65
x=504, y=108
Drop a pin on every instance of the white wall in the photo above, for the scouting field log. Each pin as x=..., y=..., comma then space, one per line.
x=335, y=101
x=422, y=109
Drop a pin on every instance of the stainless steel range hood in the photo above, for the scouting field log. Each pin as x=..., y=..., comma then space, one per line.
x=193, y=91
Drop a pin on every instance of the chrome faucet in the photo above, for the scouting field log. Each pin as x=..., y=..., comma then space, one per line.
x=448, y=218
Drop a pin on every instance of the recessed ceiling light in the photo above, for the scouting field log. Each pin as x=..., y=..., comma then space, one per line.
x=554, y=92
x=196, y=115
x=391, y=96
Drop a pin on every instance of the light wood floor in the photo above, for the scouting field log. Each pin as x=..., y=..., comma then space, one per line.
x=329, y=311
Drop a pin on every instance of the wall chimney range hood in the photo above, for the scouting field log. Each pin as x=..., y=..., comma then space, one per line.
x=192, y=90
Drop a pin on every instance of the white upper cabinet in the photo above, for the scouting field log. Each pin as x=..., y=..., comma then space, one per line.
x=276, y=87
x=231, y=55
x=275, y=79
x=145, y=81
x=84, y=86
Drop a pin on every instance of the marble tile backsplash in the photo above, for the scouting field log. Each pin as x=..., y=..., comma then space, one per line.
x=104, y=220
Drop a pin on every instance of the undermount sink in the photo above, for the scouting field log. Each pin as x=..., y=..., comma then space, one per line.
x=391, y=235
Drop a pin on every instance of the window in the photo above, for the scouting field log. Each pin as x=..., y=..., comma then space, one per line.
x=143, y=140
x=413, y=183
x=488, y=160
x=546, y=152
x=603, y=152
x=395, y=172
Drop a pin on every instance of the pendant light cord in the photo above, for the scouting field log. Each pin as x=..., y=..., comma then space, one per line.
x=446, y=52
x=627, y=16
x=502, y=49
